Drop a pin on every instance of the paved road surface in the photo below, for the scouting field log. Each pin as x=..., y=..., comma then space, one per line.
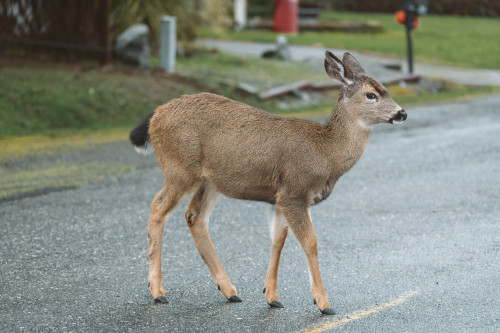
x=408, y=241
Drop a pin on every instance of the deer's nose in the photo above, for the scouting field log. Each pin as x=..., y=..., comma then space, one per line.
x=403, y=114
x=400, y=116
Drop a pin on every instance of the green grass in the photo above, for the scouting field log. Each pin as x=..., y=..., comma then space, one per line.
x=453, y=40
x=45, y=100
x=53, y=100
x=61, y=101
x=263, y=74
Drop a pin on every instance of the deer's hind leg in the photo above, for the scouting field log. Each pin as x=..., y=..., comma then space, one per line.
x=162, y=206
x=197, y=217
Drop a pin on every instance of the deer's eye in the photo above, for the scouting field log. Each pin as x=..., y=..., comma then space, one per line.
x=371, y=96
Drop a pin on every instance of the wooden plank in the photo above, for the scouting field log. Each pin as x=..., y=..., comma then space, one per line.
x=326, y=85
x=317, y=86
x=406, y=78
x=282, y=90
x=330, y=85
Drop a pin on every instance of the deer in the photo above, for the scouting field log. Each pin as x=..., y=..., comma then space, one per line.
x=211, y=145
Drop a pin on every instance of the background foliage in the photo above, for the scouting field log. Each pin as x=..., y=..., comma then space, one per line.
x=190, y=15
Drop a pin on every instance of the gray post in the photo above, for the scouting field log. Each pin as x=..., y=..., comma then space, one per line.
x=168, y=43
x=240, y=14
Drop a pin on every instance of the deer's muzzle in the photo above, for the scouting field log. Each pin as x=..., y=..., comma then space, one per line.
x=399, y=117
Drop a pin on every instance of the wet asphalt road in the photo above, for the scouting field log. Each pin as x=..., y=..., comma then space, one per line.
x=409, y=242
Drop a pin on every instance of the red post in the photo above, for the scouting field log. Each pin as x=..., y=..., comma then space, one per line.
x=286, y=16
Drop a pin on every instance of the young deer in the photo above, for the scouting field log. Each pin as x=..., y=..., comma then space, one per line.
x=210, y=144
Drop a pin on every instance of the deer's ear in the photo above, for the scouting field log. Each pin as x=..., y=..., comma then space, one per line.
x=352, y=65
x=336, y=69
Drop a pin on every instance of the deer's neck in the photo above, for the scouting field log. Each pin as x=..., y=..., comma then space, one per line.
x=346, y=137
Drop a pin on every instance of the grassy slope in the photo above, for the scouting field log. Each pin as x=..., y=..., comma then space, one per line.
x=453, y=40
x=64, y=101
x=53, y=100
x=36, y=101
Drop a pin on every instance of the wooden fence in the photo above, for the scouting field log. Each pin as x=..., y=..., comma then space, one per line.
x=66, y=29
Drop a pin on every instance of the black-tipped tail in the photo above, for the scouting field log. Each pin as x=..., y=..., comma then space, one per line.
x=139, y=136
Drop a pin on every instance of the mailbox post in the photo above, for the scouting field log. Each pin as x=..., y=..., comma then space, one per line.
x=409, y=17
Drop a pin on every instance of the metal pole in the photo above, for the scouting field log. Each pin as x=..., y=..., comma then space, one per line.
x=410, y=50
x=168, y=43
x=409, y=39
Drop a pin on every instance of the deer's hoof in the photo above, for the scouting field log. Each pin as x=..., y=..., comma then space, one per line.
x=276, y=304
x=161, y=300
x=328, y=311
x=235, y=299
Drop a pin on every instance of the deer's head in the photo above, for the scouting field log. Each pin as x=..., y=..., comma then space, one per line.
x=364, y=96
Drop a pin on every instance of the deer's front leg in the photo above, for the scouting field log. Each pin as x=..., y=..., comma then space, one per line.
x=279, y=231
x=297, y=215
